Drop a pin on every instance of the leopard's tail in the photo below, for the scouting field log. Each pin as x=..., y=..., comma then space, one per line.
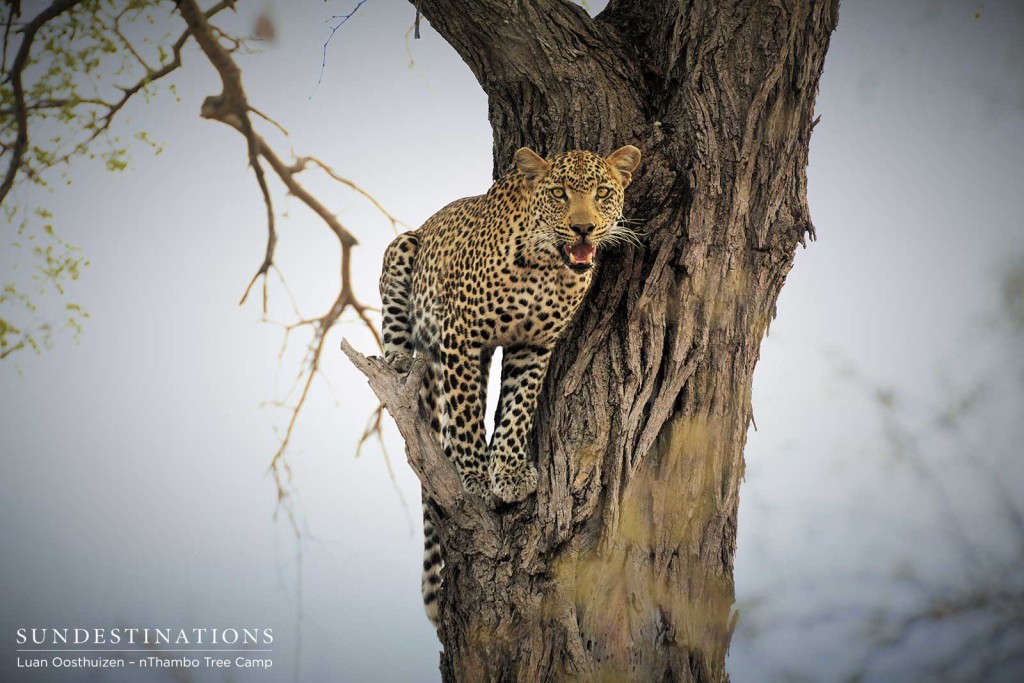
x=432, y=563
x=396, y=297
x=431, y=566
x=397, y=336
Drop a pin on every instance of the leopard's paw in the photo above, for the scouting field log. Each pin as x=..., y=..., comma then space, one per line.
x=476, y=484
x=513, y=482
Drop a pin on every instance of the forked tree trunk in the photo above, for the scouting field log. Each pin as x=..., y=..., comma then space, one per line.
x=621, y=567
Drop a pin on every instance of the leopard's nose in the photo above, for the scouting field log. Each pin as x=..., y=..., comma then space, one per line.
x=582, y=229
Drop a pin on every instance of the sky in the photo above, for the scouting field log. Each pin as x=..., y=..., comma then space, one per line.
x=135, y=488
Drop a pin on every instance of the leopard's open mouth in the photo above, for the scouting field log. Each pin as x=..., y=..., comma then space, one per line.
x=579, y=256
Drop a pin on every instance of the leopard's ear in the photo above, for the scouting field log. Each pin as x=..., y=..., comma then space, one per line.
x=624, y=161
x=531, y=165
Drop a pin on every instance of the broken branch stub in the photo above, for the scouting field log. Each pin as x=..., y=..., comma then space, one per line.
x=399, y=394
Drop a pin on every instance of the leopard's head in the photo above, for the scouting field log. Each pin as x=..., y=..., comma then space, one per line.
x=576, y=201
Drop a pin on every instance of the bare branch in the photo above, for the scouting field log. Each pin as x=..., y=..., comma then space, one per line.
x=334, y=29
x=232, y=108
x=234, y=101
x=269, y=120
x=398, y=393
x=214, y=109
x=301, y=163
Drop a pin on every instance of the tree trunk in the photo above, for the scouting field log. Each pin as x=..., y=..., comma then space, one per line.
x=621, y=567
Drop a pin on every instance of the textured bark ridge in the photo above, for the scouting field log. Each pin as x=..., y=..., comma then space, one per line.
x=621, y=567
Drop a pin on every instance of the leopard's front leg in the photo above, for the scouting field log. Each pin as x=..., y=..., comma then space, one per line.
x=462, y=421
x=512, y=476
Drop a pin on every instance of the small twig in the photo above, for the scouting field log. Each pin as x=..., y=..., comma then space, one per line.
x=269, y=120
x=334, y=29
x=408, y=48
x=374, y=429
x=301, y=163
x=127, y=43
x=128, y=92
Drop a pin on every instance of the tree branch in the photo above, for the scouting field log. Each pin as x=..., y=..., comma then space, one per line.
x=234, y=99
x=154, y=75
x=217, y=108
x=334, y=29
x=104, y=120
x=232, y=108
x=519, y=50
x=17, y=87
x=488, y=35
x=399, y=393
x=303, y=162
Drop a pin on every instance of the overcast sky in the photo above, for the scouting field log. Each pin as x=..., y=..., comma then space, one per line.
x=134, y=488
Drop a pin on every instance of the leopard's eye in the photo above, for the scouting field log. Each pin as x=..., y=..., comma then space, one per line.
x=557, y=193
x=603, y=192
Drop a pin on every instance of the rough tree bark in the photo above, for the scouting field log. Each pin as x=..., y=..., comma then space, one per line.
x=621, y=567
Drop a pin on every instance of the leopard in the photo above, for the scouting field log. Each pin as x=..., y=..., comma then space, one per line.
x=509, y=269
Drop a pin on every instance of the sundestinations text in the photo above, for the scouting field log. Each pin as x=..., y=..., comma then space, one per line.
x=144, y=636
